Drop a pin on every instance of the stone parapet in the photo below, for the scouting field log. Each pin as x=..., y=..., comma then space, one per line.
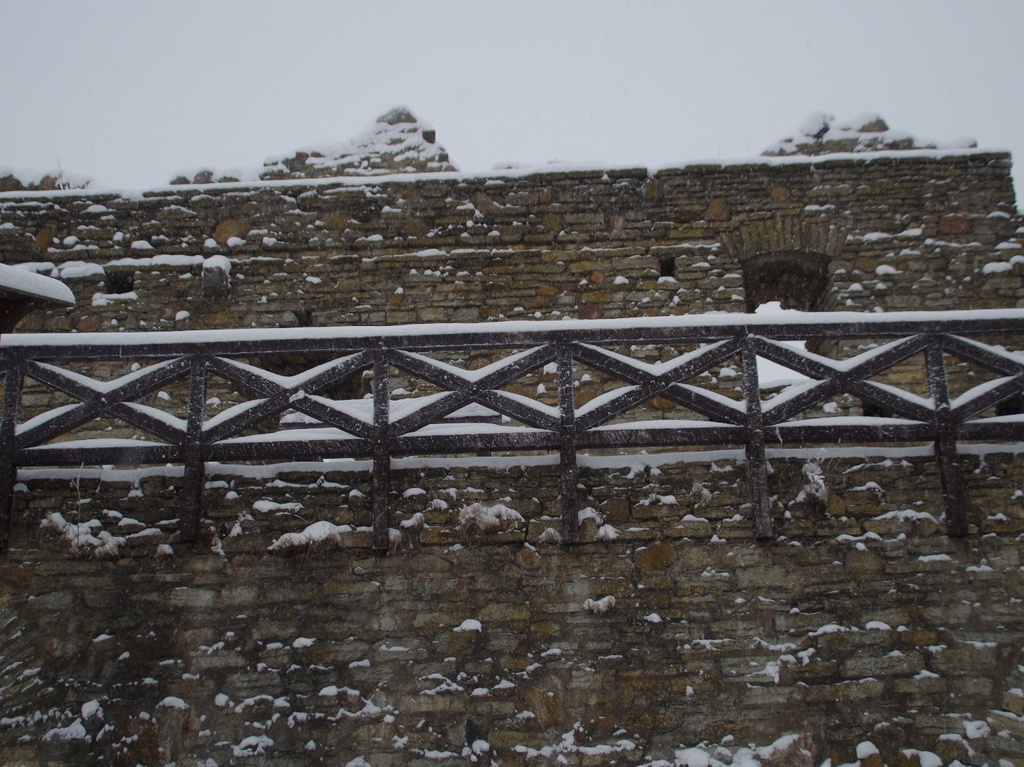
x=920, y=231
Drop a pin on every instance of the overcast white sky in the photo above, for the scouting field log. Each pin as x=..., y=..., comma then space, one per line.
x=130, y=93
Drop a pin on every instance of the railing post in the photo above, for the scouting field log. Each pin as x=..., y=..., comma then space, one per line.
x=11, y=411
x=757, y=464
x=567, y=446
x=193, y=450
x=381, y=451
x=946, y=433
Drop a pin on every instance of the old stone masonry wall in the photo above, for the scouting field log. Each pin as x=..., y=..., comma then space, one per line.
x=480, y=640
x=906, y=231
x=861, y=634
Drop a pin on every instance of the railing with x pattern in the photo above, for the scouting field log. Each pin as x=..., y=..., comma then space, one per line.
x=690, y=352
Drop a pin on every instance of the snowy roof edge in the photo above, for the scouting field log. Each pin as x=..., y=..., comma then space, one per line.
x=361, y=181
x=22, y=283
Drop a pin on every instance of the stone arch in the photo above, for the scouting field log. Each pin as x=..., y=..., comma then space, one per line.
x=797, y=279
x=787, y=259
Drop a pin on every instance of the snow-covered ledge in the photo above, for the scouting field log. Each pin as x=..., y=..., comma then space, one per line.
x=22, y=290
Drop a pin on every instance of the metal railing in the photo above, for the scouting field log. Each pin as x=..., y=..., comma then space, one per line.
x=689, y=351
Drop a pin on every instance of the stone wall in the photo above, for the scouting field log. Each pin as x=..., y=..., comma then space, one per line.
x=480, y=640
x=863, y=621
x=669, y=628
x=892, y=232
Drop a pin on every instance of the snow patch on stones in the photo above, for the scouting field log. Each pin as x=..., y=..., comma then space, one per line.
x=821, y=133
x=477, y=520
x=87, y=537
x=321, y=534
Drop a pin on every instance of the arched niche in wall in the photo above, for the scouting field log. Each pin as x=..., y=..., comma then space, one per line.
x=797, y=279
x=787, y=259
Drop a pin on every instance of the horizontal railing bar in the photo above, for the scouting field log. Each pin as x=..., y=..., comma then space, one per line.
x=993, y=429
x=674, y=329
x=520, y=441
x=60, y=455
x=261, y=451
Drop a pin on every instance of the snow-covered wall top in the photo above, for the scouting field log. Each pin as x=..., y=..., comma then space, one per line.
x=25, y=180
x=399, y=143
x=879, y=231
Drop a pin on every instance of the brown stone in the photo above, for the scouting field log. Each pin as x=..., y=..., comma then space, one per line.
x=779, y=194
x=545, y=706
x=798, y=752
x=44, y=237
x=596, y=277
x=336, y=221
x=485, y=204
x=718, y=210
x=655, y=557
x=908, y=758
x=835, y=506
x=33, y=323
x=864, y=564
x=528, y=558
x=661, y=403
x=653, y=188
x=953, y=224
x=950, y=751
x=1001, y=721
x=414, y=227
x=231, y=227
x=13, y=577
x=592, y=312
x=872, y=760
x=878, y=125
x=88, y=324
x=920, y=637
x=61, y=646
x=1013, y=703
x=10, y=183
x=615, y=510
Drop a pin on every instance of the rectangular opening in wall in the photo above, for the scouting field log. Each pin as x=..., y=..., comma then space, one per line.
x=667, y=266
x=120, y=281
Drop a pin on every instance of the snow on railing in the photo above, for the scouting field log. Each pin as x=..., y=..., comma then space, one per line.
x=499, y=406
